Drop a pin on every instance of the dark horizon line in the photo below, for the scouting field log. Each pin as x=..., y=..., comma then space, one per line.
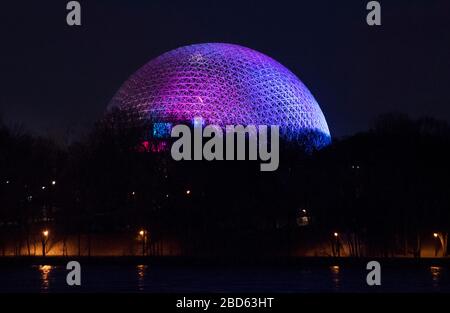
x=78, y=131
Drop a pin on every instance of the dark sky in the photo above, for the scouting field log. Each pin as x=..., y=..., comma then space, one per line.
x=57, y=79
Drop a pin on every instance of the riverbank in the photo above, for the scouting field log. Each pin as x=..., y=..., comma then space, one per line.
x=219, y=261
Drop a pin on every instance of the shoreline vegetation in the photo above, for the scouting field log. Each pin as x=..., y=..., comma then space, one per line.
x=379, y=193
x=221, y=261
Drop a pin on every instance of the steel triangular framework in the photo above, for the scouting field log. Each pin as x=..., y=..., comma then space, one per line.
x=225, y=84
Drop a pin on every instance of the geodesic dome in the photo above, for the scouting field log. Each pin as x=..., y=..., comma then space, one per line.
x=224, y=84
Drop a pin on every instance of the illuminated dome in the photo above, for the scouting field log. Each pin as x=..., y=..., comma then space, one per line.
x=224, y=84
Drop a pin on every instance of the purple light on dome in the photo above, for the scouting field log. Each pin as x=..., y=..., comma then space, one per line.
x=224, y=84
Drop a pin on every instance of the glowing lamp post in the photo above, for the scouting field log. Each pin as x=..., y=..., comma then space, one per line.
x=336, y=245
x=438, y=244
x=45, y=234
x=143, y=236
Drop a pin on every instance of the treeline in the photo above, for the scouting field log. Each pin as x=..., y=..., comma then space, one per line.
x=381, y=191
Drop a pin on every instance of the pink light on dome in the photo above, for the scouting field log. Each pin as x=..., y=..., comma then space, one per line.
x=225, y=84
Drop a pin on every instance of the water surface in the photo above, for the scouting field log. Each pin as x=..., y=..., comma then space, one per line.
x=188, y=279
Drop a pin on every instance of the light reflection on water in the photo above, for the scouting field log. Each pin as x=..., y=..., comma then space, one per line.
x=158, y=278
x=335, y=276
x=141, y=272
x=436, y=274
x=45, y=271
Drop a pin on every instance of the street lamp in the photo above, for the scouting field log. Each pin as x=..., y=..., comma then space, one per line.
x=45, y=234
x=53, y=182
x=439, y=244
x=143, y=235
x=336, y=245
x=188, y=192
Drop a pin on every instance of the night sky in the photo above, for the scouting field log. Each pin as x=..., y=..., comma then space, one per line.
x=57, y=80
